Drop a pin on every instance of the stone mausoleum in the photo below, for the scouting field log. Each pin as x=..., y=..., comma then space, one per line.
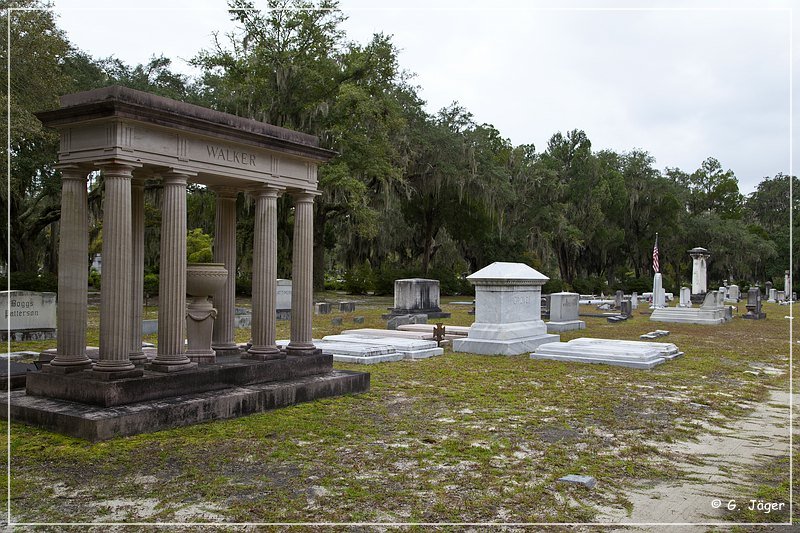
x=132, y=137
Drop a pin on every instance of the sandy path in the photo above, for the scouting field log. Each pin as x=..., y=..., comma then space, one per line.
x=721, y=454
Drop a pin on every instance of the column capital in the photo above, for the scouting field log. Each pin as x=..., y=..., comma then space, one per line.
x=225, y=193
x=71, y=171
x=118, y=167
x=300, y=195
x=267, y=190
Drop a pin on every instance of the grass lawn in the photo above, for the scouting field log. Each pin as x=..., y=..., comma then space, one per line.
x=460, y=437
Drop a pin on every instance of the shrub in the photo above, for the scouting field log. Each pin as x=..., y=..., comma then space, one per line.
x=198, y=247
x=150, y=285
x=553, y=285
x=359, y=280
x=244, y=285
x=383, y=279
x=32, y=281
x=94, y=279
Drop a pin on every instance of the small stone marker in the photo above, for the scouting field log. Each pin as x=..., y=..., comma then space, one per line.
x=587, y=481
x=754, y=305
x=336, y=321
x=347, y=307
x=564, y=312
x=358, y=319
x=322, y=308
x=634, y=300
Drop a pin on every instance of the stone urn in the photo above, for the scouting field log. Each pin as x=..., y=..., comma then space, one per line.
x=202, y=280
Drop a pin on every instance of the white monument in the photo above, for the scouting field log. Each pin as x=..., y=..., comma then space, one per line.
x=507, y=311
x=699, y=268
x=659, y=298
x=634, y=300
x=733, y=293
x=686, y=297
x=773, y=295
x=787, y=285
x=564, y=312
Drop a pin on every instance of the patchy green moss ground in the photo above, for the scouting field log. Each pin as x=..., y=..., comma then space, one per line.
x=459, y=437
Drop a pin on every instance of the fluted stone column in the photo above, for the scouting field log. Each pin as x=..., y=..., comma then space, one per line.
x=136, y=355
x=115, y=296
x=223, y=339
x=171, y=354
x=302, y=275
x=265, y=271
x=73, y=274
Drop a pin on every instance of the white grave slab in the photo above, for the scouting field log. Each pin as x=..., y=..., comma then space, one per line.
x=631, y=354
x=410, y=348
x=365, y=354
x=507, y=311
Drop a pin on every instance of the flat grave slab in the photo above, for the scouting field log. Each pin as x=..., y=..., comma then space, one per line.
x=410, y=348
x=345, y=352
x=631, y=354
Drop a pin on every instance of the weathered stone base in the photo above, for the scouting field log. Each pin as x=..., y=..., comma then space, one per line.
x=97, y=423
x=755, y=316
x=682, y=315
x=226, y=373
x=503, y=347
x=27, y=335
x=434, y=312
x=558, y=327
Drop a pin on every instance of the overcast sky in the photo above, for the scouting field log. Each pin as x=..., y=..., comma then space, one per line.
x=680, y=82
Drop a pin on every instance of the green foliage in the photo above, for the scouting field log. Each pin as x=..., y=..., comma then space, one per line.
x=31, y=281
x=150, y=285
x=244, y=285
x=360, y=279
x=198, y=247
x=94, y=279
x=553, y=285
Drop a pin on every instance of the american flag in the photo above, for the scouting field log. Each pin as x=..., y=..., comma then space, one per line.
x=655, y=256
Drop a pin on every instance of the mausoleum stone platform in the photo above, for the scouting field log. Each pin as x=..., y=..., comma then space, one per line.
x=82, y=406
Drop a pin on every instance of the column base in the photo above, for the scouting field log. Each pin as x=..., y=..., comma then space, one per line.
x=228, y=348
x=263, y=353
x=303, y=350
x=137, y=358
x=116, y=374
x=202, y=357
x=67, y=369
x=162, y=367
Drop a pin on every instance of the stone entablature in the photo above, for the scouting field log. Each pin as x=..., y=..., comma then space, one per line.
x=221, y=149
